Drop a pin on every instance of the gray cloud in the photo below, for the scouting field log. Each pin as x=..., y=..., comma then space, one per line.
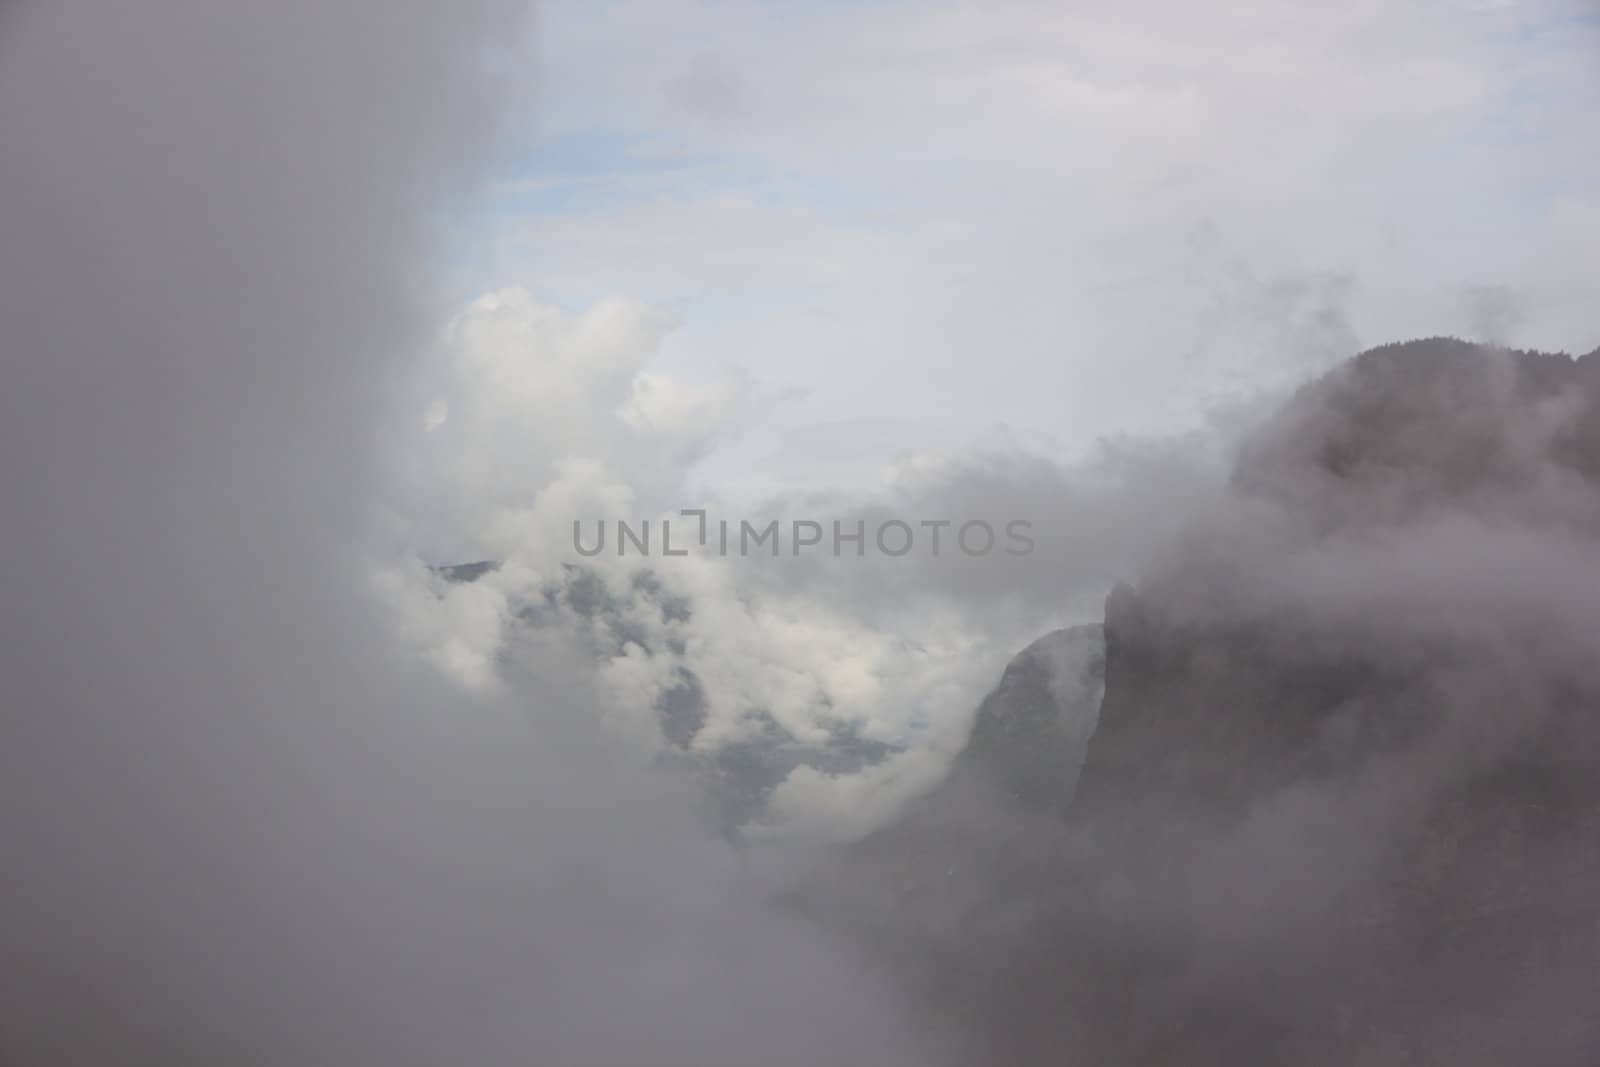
x=235, y=827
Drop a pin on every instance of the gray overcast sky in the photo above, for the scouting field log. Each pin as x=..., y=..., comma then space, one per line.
x=1072, y=219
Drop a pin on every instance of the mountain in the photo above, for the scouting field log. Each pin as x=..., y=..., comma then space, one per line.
x=1341, y=804
x=1029, y=735
x=947, y=894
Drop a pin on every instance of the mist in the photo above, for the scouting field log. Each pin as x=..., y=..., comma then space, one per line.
x=239, y=824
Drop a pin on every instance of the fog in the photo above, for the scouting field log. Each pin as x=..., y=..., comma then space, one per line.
x=238, y=826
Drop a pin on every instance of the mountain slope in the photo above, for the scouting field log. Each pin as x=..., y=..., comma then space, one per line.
x=1342, y=804
x=1349, y=757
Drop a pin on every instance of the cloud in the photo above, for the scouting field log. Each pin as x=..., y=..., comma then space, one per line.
x=240, y=824
x=525, y=399
x=850, y=678
x=988, y=209
x=815, y=693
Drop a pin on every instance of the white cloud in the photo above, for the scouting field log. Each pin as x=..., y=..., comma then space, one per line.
x=556, y=416
x=527, y=399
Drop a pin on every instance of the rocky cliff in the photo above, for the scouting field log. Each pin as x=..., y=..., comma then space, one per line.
x=1345, y=791
x=1342, y=804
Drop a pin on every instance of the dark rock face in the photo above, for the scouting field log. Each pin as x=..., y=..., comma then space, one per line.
x=466, y=572
x=1348, y=763
x=1342, y=805
x=952, y=893
x=1411, y=430
x=1029, y=735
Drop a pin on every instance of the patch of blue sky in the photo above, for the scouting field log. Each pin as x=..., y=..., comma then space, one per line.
x=560, y=172
x=1554, y=24
x=600, y=173
x=592, y=171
